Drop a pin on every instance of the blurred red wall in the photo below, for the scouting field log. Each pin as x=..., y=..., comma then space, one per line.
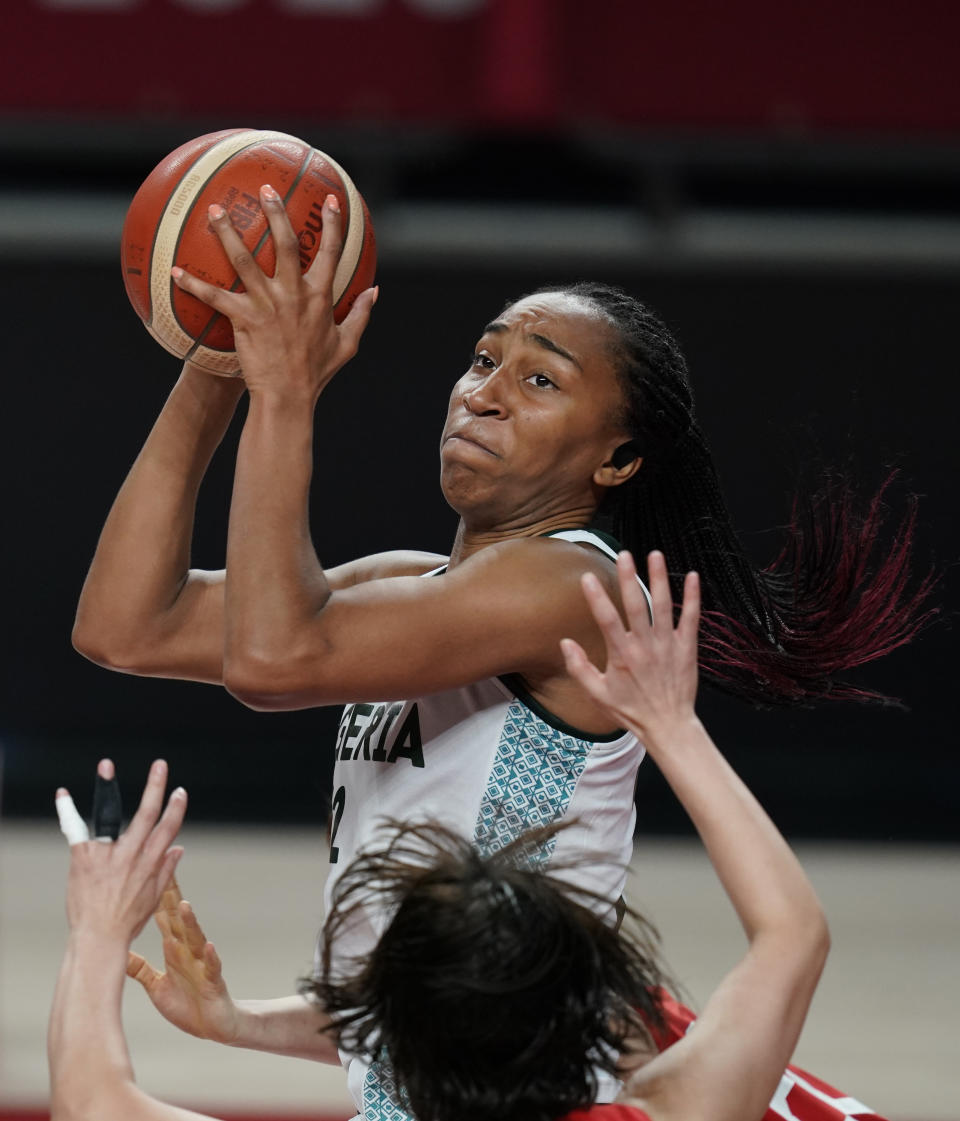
x=746, y=64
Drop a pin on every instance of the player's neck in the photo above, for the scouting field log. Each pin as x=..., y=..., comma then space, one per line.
x=471, y=539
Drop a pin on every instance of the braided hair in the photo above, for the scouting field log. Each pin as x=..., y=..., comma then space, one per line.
x=833, y=598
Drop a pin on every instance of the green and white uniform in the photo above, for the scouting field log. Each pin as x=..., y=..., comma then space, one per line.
x=489, y=762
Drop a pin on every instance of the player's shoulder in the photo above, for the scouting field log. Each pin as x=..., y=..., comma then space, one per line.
x=552, y=558
x=534, y=581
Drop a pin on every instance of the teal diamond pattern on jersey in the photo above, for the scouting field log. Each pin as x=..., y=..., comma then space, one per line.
x=382, y=1101
x=532, y=780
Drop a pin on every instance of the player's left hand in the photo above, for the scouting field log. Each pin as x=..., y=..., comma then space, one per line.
x=114, y=887
x=286, y=338
x=190, y=992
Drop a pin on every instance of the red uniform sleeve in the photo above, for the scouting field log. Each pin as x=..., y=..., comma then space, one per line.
x=611, y=1112
x=677, y=1019
x=799, y=1097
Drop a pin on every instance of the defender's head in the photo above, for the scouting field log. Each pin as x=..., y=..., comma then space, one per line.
x=495, y=991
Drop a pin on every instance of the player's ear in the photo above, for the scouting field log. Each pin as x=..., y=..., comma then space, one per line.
x=624, y=462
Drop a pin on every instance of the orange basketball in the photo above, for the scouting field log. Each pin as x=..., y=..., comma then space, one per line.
x=167, y=225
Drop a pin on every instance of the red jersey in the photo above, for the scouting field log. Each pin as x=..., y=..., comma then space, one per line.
x=799, y=1097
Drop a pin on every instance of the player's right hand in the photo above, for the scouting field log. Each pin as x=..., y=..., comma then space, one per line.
x=190, y=992
x=285, y=334
x=649, y=682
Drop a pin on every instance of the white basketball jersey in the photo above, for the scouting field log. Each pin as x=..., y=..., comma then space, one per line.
x=489, y=762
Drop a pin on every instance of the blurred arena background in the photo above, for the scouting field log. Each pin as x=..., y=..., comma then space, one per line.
x=781, y=182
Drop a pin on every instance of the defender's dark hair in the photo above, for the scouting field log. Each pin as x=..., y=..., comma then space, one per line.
x=495, y=991
x=835, y=597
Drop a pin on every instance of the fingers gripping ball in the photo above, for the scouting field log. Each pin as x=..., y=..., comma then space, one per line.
x=167, y=225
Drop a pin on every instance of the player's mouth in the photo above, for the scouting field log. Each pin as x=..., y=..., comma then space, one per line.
x=466, y=438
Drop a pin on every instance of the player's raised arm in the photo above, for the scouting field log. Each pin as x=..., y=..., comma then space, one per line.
x=289, y=347
x=727, y=1068
x=142, y=609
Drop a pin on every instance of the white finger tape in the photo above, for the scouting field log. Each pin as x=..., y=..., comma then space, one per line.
x=72, y=825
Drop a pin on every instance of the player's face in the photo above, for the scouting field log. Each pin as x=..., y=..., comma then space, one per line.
x=535, y=416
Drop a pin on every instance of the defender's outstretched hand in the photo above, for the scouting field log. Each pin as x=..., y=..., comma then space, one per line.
x=650, y=678
x=283, y=324
x=190, y=992
x=114, y=887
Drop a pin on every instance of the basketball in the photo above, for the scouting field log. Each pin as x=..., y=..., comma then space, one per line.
x=167, y=225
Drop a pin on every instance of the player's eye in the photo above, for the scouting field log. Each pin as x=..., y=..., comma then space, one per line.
x=483, y=361
x=541, y=381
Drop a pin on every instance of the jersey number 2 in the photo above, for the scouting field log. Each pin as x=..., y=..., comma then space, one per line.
x=336, y=813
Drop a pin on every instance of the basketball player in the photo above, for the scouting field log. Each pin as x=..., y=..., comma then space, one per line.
x=496, y=991
x=575, y=412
